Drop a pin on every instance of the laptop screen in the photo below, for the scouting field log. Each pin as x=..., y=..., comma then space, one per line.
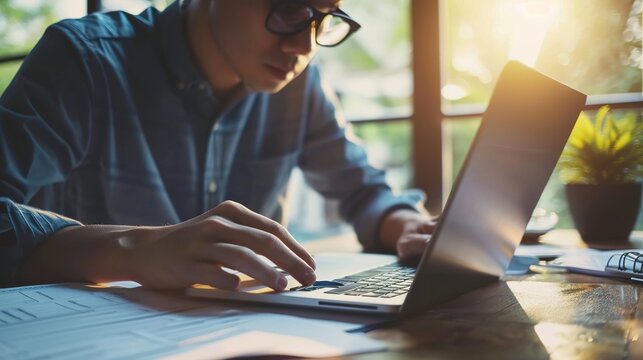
x=521, y=137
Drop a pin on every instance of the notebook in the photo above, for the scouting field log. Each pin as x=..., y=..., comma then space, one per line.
x=622, y=264
x=519, y=141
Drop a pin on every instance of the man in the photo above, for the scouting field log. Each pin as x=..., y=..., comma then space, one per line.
x=182, y=128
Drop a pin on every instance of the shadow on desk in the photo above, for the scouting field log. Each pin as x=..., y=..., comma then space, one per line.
x=532, y=316
x=523, y=319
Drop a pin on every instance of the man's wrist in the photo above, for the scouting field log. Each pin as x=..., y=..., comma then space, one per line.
x=92, y=253
x=130, y=245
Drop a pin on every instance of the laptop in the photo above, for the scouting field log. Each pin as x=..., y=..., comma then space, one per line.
x=521, y=136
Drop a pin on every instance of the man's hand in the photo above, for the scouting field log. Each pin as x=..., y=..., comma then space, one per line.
x=175, y=256
x=230, y=236
x=408, y=232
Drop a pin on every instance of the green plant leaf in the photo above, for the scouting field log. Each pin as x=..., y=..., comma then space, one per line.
x=605, y=150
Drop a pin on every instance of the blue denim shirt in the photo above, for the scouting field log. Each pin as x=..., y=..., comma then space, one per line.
x=109, y=121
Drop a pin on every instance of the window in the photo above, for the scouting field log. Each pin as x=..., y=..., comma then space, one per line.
x=593, y=45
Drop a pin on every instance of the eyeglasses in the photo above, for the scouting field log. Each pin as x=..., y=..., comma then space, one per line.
x=290, y=17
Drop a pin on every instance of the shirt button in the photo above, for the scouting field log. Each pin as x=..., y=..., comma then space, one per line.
x=180, y=85
x=202, y=85
x=212, y=187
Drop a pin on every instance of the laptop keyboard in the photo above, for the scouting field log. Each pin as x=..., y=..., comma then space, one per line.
x=384, y=282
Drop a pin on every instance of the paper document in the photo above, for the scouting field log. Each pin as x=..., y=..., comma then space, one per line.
x=546, y=251
x=74, y=321
x=595, y=262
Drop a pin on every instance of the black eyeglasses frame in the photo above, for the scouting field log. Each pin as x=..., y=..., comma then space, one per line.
x=318, y=17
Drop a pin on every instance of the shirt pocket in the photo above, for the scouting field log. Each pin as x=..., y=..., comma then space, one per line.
x=268, y=179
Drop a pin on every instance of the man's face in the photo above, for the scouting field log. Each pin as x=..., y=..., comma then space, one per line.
x=262, y=60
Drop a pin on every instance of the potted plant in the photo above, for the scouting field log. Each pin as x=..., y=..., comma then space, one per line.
x=602, y=167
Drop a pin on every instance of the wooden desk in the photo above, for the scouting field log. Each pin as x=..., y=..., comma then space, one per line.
x=535, y=316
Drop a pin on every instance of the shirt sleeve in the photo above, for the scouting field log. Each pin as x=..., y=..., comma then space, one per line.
x=22, y=228
x=335, y=165
x=45, y=127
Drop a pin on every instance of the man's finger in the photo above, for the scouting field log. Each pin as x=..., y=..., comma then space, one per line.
x=222, y=230
x=245, y=260
x=411, y=246
x=428, y=228
x=244, y=216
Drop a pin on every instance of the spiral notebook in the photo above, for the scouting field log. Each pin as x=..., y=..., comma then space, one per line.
x=622, y=264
